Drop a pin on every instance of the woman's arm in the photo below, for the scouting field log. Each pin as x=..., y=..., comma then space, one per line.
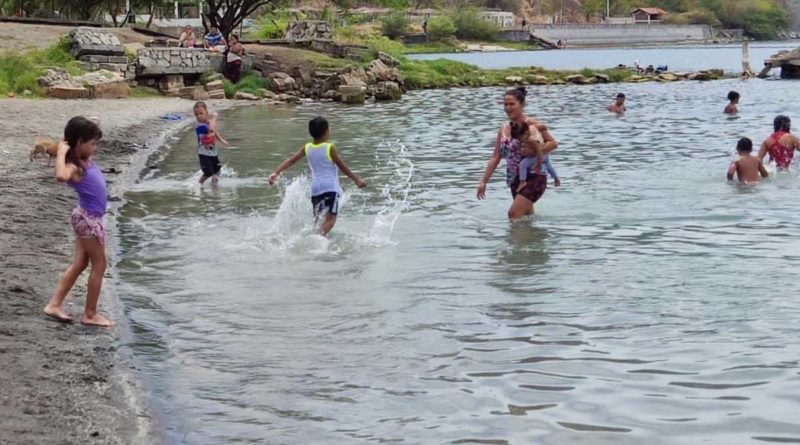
x=494, y=161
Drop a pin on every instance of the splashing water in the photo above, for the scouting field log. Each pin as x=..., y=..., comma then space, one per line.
x=395, y=192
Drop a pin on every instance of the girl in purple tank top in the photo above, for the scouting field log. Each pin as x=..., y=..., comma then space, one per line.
x=74, y=165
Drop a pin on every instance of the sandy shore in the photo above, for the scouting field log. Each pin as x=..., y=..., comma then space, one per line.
x=65, y=383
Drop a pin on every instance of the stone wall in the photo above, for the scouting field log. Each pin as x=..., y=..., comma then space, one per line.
x=94, y=41
x=154, y=62
x=587, y=35
x=308, y=30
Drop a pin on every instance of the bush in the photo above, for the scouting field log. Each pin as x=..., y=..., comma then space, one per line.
x=19, y=72
x=394, y=25
x=251, y=83
x=273, y=26
x=385, y=45
x=440, y=28
x=470, y=25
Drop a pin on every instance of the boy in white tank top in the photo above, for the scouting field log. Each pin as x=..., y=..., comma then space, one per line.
x=325, y=164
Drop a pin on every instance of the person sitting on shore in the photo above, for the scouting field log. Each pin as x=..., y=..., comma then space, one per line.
x=214, y=41
x=747, y=167
x=781, y=144
x=618, y=106
x=732, y=108
x=188, y=39
x=74, y=165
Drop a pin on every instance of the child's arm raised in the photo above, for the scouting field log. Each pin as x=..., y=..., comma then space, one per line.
x=64, y=171
x=345, y=169
x=732, y=170
x=290, y=161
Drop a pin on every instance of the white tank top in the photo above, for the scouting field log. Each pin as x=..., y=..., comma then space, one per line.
x=324, y=174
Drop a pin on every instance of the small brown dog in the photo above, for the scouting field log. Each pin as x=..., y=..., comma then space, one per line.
x=45, y=146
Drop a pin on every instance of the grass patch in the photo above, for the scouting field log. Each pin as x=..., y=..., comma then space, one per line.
x=230, y=88
x=250, y=83
x=18, y=72
x=141, y=91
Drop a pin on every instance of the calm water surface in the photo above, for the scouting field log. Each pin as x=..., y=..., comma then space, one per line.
x=681, y=58
x=647, y=302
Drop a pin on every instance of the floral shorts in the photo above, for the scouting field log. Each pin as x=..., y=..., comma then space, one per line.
x=86, y=225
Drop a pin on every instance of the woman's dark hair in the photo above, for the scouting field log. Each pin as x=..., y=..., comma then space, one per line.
x=519, y=130
x=79, y=129
x=733, y=95
x=518, y=93
x=782, y=123
x=317, y=127
x=744, y=145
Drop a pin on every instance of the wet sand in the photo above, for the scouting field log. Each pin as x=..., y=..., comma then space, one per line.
x=66, y=383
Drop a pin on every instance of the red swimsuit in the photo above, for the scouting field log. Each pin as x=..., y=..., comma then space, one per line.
x=781, y=154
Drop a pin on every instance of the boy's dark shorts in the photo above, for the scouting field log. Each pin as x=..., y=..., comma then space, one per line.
x=210, y=165
x=325, y=202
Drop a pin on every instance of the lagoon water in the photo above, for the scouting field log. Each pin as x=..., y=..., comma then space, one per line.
x=647, y=302
x=679, y=58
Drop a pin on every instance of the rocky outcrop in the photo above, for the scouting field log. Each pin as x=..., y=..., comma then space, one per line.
x=94, y=41
x=388, y=91
x=101, y=84
x=282, y=82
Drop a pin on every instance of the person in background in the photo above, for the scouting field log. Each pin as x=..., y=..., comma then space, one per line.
x=188, y=39
x=233, y=60
x=781, y=144
x=618, y=106
x=214, y=40
x=732, y=108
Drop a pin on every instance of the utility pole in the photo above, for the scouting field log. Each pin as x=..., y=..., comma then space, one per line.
x=608, y=9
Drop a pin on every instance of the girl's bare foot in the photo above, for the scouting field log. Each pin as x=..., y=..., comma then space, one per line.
x=521, y=186
x=57, y=313
x=96, y=320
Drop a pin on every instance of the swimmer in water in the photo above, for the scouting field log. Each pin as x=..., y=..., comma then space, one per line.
x=733, y=107
x=747, y=167
x=618, y=106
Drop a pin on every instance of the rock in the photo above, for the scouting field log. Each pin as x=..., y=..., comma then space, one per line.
x=387, y=59
x=68, y=92
x=575, y=78
x=171, y=84
x=194, y=93
x=214, y=77
x=267, y=94
x=282, y=82
x=216, y=94
x=667, y=77
x=514, y=80
x=558, y=82
x=331, y=95
x=384, y=73
x=539, y=79
x=53, y=77
x=353, y=94
x=241, y=95
x=388, y=91
x=94, y=41
x=216, y=85
x=602, y=78
x=27, y=93
x=702, y=75
x=716, y=73
x=11, y=95
x=301, y=75
x=288, y=98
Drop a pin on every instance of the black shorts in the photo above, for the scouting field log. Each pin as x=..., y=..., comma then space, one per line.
x=210, y=165
x=325, y=202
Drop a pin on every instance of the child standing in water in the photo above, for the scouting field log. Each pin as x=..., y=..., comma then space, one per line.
x=747, y=167
x=74, y=166
x=531, y=148
x=323, y=161
x=732, y=108
x=207, y=136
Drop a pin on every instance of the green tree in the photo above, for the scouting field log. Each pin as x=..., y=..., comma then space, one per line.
x=440, y=28
x=591, y=8
x=394, y=25
x=227, y=15
x=470, y=25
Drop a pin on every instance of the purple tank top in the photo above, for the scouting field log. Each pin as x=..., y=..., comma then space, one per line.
x=91, y=191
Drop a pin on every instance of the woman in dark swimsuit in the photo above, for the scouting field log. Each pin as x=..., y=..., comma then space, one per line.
x=508, y=148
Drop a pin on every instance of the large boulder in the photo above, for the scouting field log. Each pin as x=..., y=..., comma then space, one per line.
x=171, y=84
x=105, y=84
x=282, y=82
x=387, y=59
x=384, y=73
x=514, y=80
x=388, y=91
x=353, y=94
x=241, y=95
x=94, y=41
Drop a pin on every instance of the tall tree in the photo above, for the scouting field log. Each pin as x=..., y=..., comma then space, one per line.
x=228, y=14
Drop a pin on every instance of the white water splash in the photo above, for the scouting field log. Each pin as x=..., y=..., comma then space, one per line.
x=395, y=191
